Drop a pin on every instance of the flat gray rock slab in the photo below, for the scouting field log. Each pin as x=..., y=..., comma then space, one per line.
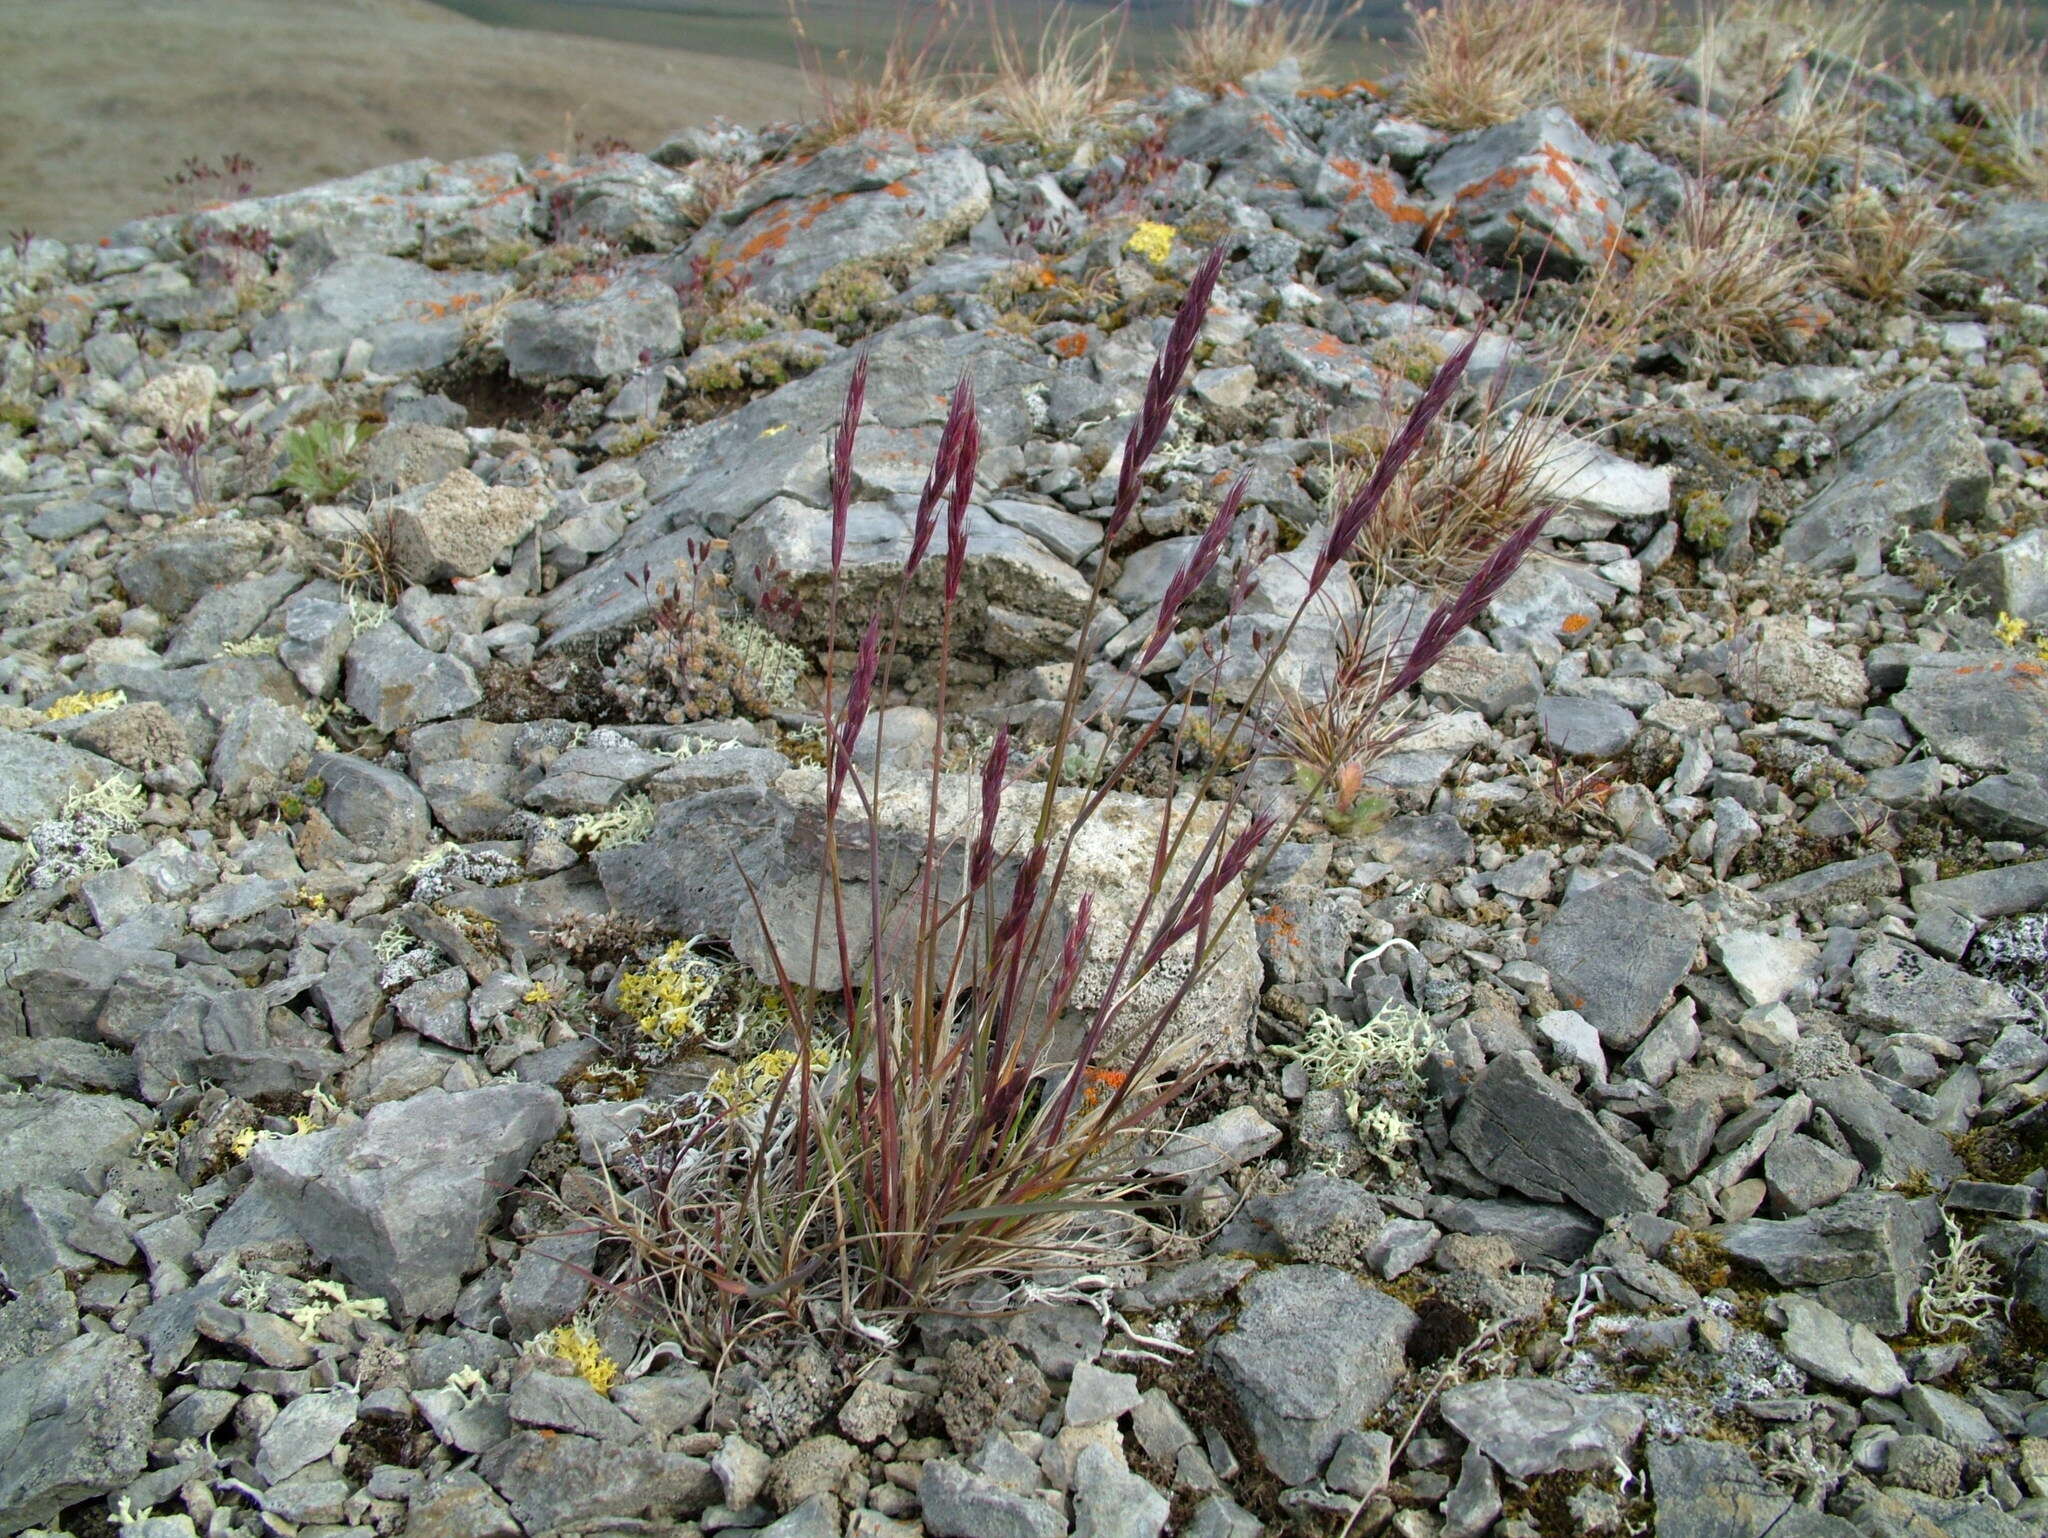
x=1529, y=1133
x=1837, y=1350
x=37, y=776
x=1614, y=954
x=1711, y=1490
x=1901, y=988
x=76, y=1422
x=874, y=197
x=1531, y=1427
x=399, y=1202
x=1911, y=463
x=1862, y=1256
x=1315, y=1351
x=413, y=317
x=1989, y=714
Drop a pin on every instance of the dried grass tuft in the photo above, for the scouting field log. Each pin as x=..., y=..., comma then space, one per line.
x=1228, y=42
x=1047, y=94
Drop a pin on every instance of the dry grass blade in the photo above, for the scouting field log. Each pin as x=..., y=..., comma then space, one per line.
x=367, y=562
x=1728, y=279
x=1228, y=41
x=1989, y=60
x=913, y=89
x=1481, y=62
x=1049, y=93
x=1884, y=247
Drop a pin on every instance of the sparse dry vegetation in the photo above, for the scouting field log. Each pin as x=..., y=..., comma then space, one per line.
x=1881, y=246
x=1046, y=93
x=1227, y=42
x=1730, y=278
x=1480, y=62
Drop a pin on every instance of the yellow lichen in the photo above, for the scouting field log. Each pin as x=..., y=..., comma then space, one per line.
x=84, y=704
x=2009, y=629
x=749, y=1084
x=665, y=998
x=577, y=1344
x=1152, y=241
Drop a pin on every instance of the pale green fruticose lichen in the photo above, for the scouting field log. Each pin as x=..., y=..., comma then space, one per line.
x=325, y=1298
x=627, y=823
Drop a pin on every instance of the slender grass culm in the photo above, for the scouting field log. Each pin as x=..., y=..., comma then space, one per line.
x=971, y=1092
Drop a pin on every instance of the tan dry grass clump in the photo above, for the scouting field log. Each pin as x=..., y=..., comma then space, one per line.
x=1047, y=94
x=1884, y=247
x=1730, y=278
x=1481, y=62
x=913, y=89
x=1228, y=42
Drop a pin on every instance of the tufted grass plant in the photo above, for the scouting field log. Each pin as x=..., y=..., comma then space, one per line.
x=1226, y=42
x=944, y=1107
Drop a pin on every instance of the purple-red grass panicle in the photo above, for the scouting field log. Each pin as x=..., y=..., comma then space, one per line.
x=994, y=774
x=1452, y=615
x=966, y=460
x=1195, y=570
x=1352, y=518
x=842, y=459
x=960, y=421
x=853, y=714
x=1168, y=371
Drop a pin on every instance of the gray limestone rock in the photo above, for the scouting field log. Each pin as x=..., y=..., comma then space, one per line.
x=170, y=572
x=393, y=681
x=959, y=1503
x=399, y=1202
x=2013, y=579
x=375, y=808
x=53, y=1137
x=1535, y=190
x=76, y=1422
x=552, y=1479
x=2006, y=243
x=2013, y=806
x=599, y=337
x=1614, y=954
x=1711, y=1490
x=1527, y=1132
x=305, y=1430
x=259, y=748
x=1862, y=1256
x=413, y=318
x=37, y=776
x=317, y=633
x=1315, y=1351
x=1581, y=728
x=1912, y=462
x=1851, y=1356
x=1112, y=1502
x=874, y=197
x=1530, y=1427
x=1988, y=713
x=1897, y=987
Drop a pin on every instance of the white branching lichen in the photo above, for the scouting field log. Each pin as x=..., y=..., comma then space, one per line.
x=1962, y=1290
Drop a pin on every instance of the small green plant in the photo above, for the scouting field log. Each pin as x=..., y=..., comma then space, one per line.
x=316, y=459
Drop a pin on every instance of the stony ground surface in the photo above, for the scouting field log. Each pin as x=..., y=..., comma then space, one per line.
x=352, y=796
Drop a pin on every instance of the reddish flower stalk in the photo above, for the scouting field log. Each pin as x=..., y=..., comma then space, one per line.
x=993, y=774
x=1200, y=562
x=842, y=459
x=1199, y=907
x=859, y=690
x=959, y=421
x=966, y=458
x=1072, y=953
x=1352, y=518
x=1168, y=371
x=1451, y=616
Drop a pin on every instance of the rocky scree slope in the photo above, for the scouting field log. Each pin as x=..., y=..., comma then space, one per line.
x=357, y=778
